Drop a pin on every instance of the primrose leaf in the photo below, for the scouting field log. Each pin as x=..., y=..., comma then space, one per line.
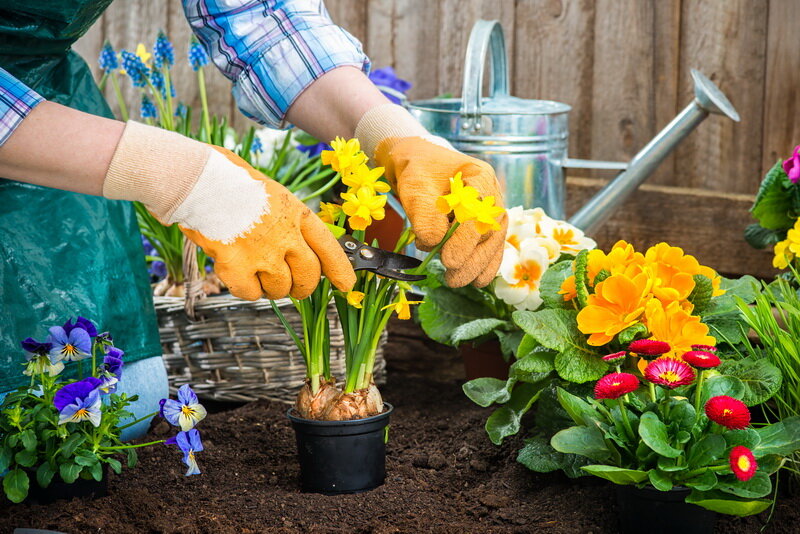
x=551, y=282
x=617, y=475
x=16, y=484
x=654, y=434
x=486, y=391
x=773, y=205
x=445, y=309
x=475, y=329
x=537, y=361
x=759, y=237
x=505, y=421
x=761, y=378
x=705, y=450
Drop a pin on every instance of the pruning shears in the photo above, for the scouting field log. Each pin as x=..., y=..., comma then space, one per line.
x=382, y=262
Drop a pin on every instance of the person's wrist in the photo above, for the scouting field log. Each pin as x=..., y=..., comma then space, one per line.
x=383, y=122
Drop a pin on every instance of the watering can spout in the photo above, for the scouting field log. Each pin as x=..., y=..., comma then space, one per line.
x=708, y=99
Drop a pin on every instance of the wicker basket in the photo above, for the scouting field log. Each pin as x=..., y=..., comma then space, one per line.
x=231, y=349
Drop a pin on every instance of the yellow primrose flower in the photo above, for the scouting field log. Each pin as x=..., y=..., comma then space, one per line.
x=143, y=54
x=363, y=176
x=676, y=326
x=793, y=237
x=461, y=201
x=782, y=255
x=329, y=212
x=486, y=214
x=402, y=306
x=618, y=302
x=345, y=156
x=354, y=298
x=362, y=207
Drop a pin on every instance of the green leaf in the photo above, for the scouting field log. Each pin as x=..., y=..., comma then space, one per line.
x=15, y=484
x=759, y=237
x=526, y=346
x=617, y=475
x=745, y=288
x=670, y=464
x=703, y=482
x=476, y=328
x=755, y=488
x=133, y=458
x=705, y=450
x=632, y=332
x=537, y=455
x=782, y=438
x=44, y=474
x=69, y=472
x=654, y=434
x=551, y=282
x=538, y=361
x=579, y=366
x=771, y=463
x=505, y=421
x=97, y=471
x=445, y=309
x=773, y=205
x=509, y=341
x=26, y=458
x=580, y=411
x=583, y=440
x=29, y=440
x=681, y=415
x=722, y=385
x=660, y=480
x=115, y=465
x=86, y=458
x=700, y=296
x=719, y=502
x=71, y=443
x=486, y=391
x=5, y=458
x=761, y=378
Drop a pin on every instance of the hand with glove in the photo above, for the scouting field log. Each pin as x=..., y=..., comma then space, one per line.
x=419, y=167
x=264, y=241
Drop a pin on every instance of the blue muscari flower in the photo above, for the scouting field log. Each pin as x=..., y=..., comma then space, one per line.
x=181, y=110
x=73, y=346
x=79, y=401
x=108, y=59
x=197, y=55
x=184, y=412
x=157, y=79
x=81, y=322
x=148, y=109
x=386, y=78
x=135, y=68
x=313, y=150
x=189, y=442
x=256, y=147
x=163, y=51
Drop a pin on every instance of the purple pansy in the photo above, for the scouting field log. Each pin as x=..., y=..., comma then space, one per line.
x=79, y=401
x=73, y=346
x=386, y=78
x=37, y=354
x=81, y=322
x=792, y=166
x=112, y=370
x=35, y=348
x=189, y=442
x=313, y=150
x=184, y=412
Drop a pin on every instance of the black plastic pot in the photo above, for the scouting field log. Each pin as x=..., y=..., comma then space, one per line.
x=661, y=512
x=58, y=489
x=341, y=456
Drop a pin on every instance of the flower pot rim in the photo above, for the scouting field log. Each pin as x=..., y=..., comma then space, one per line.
x=387, y=410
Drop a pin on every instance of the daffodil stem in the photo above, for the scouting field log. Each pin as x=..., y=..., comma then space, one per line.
x=435, y=250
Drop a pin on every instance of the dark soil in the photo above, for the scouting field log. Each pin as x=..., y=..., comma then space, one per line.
x=443, y=475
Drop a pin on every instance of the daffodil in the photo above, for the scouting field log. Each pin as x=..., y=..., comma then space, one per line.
x=462, y=200
x=354, y=299
x=521, y=273
x=362, y=207
x=143, y=54
x=674, y=325
x=486, y=214
x=329, y=212
x=345, y=156
x=363, y=176
x=402, y=306
x=617, y=303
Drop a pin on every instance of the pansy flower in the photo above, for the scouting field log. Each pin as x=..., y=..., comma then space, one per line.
x=189, y=442
x=38, y=356
x=111, y=370
x=69, y=346
x=79, y=401
x=80, y=322
x=184, y=412
x=743, y=463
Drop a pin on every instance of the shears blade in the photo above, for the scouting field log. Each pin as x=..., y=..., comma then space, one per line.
x=382, y=262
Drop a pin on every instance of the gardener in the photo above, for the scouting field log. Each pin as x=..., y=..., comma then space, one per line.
x=71, y=246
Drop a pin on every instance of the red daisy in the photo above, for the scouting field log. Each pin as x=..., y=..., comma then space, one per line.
x=743, y=463
x=705, y=348
x=649, y=347
x=700, y=359
x=669, y=372
x=728, y=412
x=615, y=385
x=615, y=357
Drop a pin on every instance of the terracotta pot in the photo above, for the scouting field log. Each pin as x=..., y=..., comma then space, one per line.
x=386, y=231
x=483, y=360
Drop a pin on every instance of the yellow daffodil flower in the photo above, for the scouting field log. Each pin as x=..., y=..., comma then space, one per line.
x=345, y=156
x=363, y=176
x=462, y=200
x=329, y=212
x=354, y=299
x=143, y=54
x=402, y=306
x=486, y=214
x=362, y=207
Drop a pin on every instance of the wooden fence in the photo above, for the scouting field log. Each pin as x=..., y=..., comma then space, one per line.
x=623, y=66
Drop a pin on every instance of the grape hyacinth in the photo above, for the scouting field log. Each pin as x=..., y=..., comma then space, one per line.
x=197, y=55
x=108, y=59
x=135, y=68
x=148, y=109
x=163, y=51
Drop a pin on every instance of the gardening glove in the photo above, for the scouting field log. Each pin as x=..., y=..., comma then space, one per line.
x=264, y=241
x=419, y=167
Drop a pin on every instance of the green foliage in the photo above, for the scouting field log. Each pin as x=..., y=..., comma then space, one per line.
x=759, y=237
x=776, y=200
x=552, y=279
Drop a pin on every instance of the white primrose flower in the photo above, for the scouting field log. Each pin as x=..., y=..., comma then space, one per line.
x=521, y=273
x=524, y=224
x=571, y=239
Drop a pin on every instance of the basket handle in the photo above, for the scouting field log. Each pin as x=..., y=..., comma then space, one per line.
x=193, y=285
x=486, y=35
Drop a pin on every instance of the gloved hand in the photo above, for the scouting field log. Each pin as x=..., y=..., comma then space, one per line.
x=419, y=167
x=264, y=241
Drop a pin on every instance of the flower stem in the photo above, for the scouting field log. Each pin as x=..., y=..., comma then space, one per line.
x=698, y=392
x=203, y=99
x=652, y=392
x=624, y=413
x=123, y=447
x=435, y=250
x=123, y=109
x=148, y=416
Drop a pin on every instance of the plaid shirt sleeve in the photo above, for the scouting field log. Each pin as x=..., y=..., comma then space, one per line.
x=16, y=101
x=271, y=49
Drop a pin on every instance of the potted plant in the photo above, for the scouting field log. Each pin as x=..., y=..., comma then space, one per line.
x=341, y=425
x=675, y=441
x=59, y=436
x=479, y=320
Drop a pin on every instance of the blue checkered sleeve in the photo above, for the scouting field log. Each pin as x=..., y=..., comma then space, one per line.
x=16, y=101
x=271, y=49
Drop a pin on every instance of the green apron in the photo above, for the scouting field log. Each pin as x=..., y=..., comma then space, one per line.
x=64, y=254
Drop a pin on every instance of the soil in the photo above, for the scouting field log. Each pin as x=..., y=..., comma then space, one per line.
x=443, y=475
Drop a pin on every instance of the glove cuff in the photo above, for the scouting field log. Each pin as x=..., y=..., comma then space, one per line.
x=155, y=167
x=386, y=121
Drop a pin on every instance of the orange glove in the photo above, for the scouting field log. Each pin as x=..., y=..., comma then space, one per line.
x=264, y=241
x=419, y=167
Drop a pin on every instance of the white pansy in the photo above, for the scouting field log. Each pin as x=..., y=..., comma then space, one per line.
x=521, y=273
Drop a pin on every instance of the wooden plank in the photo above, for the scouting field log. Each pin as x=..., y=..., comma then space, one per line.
x=782, y=99
x=553, y=43
x=707, y=224
x=458, y=18
x=727, y=42
x=379, y=42
x=350, y=15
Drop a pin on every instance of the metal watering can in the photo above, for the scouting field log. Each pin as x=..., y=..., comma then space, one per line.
x=526, y=140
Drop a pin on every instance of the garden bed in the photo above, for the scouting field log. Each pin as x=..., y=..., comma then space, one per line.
x=443, y=474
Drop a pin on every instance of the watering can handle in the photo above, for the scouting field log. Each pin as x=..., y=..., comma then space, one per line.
x=486, y=35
